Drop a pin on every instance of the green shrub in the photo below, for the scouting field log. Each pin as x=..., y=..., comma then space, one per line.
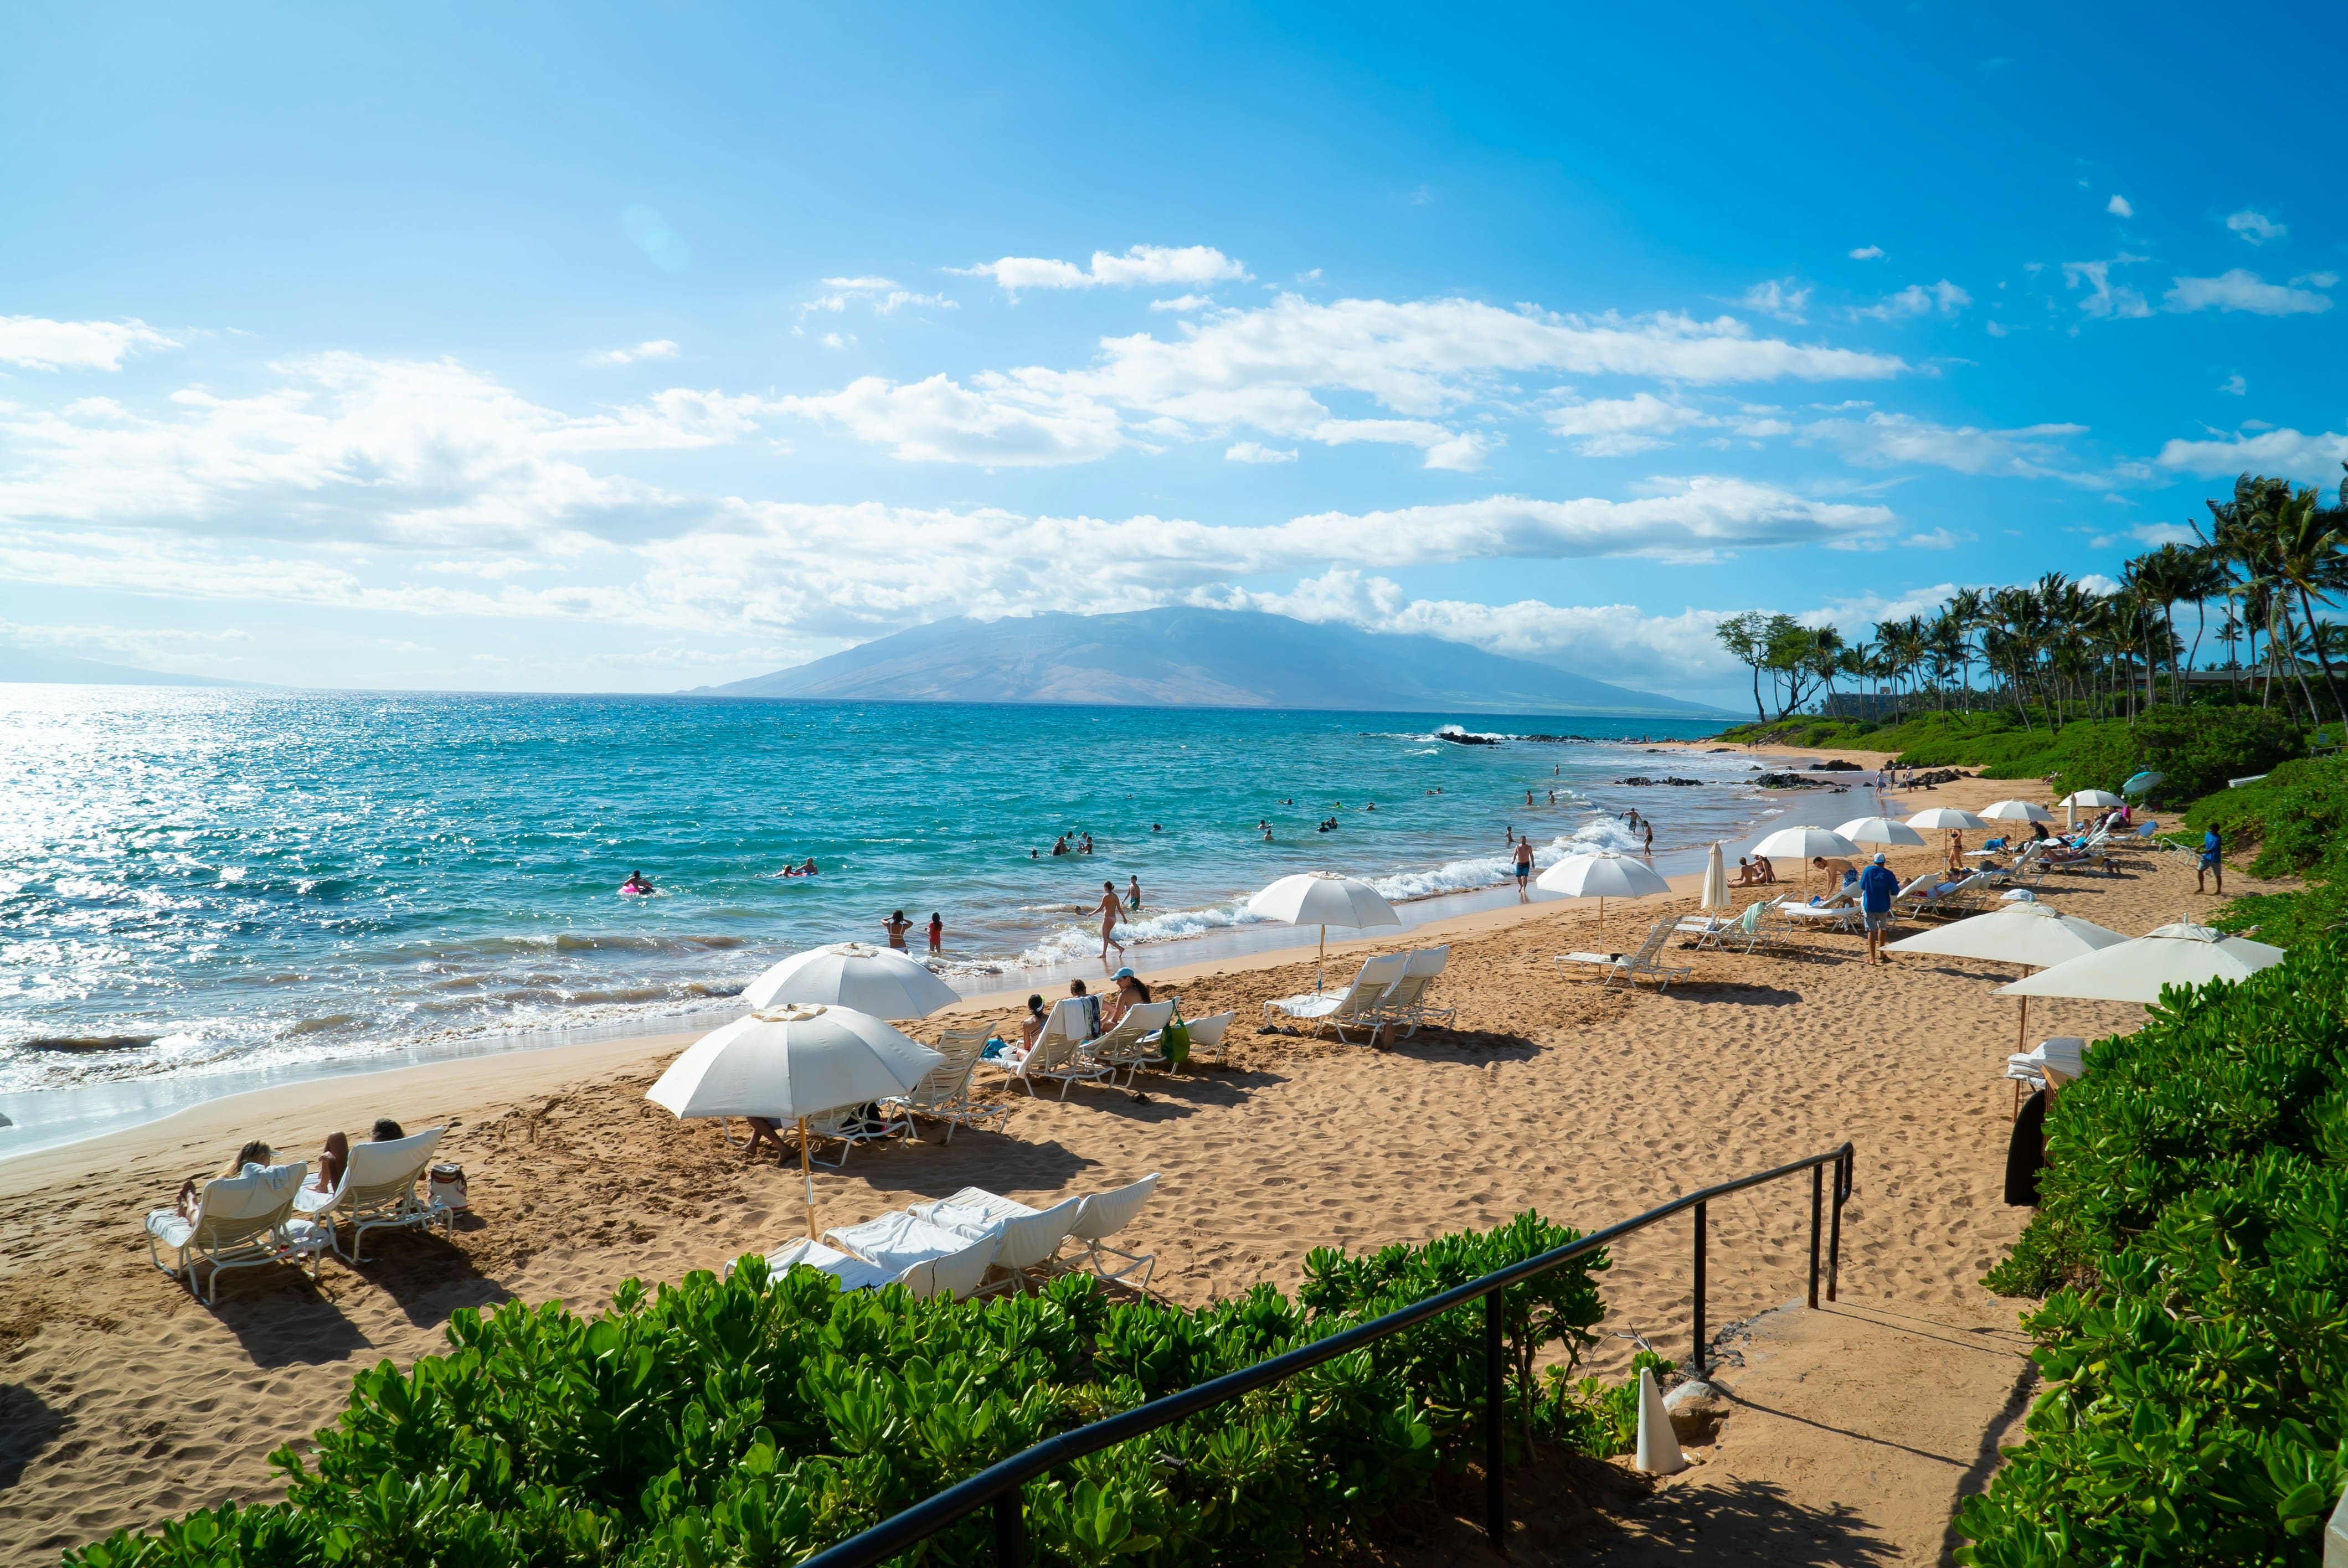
x=2196, y=1196
x=753, y=1421
x=2297, y=815
x=2196, y=750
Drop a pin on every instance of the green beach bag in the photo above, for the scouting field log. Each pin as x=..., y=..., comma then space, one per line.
x=1174, y=1041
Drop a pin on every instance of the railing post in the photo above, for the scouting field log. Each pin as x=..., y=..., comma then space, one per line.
x=1834, y=1226
x=1699, y=1290
x=1817, y=1194
x=1496, y=1505
x=1011, y=1529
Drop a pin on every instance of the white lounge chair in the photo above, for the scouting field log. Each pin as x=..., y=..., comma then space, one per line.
x=1638, y=965
x=943, y=1093
x=1207, y=1033
x=1841, y=911
x=1358, y=1004
x=1058, y=1052
x=897, y=1240
x=378, y=1192
x=1131, y=1043
x=954, y=1274
x=1405, y=1006
x=976, y=1212
x=241, y=1221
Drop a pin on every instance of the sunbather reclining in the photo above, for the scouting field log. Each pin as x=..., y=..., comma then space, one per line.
x=257, y=1155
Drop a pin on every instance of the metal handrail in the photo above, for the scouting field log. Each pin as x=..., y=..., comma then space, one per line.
x=1000, y=1483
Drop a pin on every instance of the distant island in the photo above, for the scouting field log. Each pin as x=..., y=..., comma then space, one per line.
x=1181, y=657
x=43, y=665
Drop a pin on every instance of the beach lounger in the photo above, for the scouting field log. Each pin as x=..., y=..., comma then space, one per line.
x=378, y=1193
x=242, y=1221
x=954, y=1274
x=1206, y=1033
x=1404, y=1007
x=1638, y=965
x=897, y=1240
x=1131, y=1043
x=1058, y=1052
x=974, y=1211
x=851, y=1125
x=1358, y=1004
x=943, y=1093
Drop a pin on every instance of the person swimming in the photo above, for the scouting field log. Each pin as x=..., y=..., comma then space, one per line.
x=636, y=883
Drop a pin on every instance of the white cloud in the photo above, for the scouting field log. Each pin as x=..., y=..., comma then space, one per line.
x=1938, y=539
x=1868, y=253
x=2096, y=582
x=1257, y=452
x=2119, y=207
x=2240, y=289
x=1886, y=440
x=2234, y=385
x=1918, y=299
x=885, y=295
x=1154, y=265
x=659, y=348
x=1182, y=302
x=2164, y=533
x=2256, y=228
x=1778, y=298
x=34, y=342
x=1616, y=427
x=2285, y=452
x=2106, y=299
x=833, y=340
x=941, y=421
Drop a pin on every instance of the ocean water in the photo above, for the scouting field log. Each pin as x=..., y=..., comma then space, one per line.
x=193, y=882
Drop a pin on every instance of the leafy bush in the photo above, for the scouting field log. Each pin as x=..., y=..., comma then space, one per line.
x=752, y=1422
x=2297, y=815
x=2196, y=1194
x=2196, y=749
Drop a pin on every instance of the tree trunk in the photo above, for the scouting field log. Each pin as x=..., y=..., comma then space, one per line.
x=2314, y=635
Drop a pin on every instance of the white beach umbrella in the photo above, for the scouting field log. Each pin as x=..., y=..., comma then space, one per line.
x=1601, y=874
x=2036, y=935
x=2082, y=800
x=1715, y=881
x=791, y=1063
x=2183, y=954
x=1943, y=819
x=2017, y=811
x=877, y=980
x=1802, y=844
x=1882, y=830
x=1323, y=898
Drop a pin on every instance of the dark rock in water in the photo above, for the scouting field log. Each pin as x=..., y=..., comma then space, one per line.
x=1835, y=766
x=90, y=1042
x=1718, y=749
x=1787, y=781
x=1561, y=740
x=1640, y=781
x=1459, y=740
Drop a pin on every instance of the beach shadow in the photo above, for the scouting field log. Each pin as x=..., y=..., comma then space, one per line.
x=997, y=1160
x=428, y=1276
x=1743, y=1521
x=27, y=1425
x=1989, y=1455
x=1436, y=1043
x=283, y=1319
x=1752, y=996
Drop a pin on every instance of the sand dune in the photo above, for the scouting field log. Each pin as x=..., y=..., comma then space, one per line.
x=123, y=1402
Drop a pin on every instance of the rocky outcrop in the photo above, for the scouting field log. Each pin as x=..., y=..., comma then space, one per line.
x=1640, y=781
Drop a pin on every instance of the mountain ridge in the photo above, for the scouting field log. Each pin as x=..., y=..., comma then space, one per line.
x=1182, y=656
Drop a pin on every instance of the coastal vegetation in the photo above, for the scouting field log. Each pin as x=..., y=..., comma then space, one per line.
x=753, y=1420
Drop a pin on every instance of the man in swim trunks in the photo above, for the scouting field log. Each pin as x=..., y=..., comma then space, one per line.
x=2213, y=849
x=1524, y=858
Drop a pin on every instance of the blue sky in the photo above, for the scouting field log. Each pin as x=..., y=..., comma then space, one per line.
x=641, y=348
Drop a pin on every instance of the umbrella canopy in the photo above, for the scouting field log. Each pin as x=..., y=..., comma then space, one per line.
x=1323, y=898
x=1944, y=817
x=1802, y=843
x=2141, y=783
x=792, y=1062
x=2091, y=800
x=2030, y=933
x=880, y=981
x=2017, y=811
x=1881, y=830
x=1602, y=874
x=2183, y=954
x=1715, y=881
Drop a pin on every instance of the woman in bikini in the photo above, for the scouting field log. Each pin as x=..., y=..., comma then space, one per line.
x=1111, y=910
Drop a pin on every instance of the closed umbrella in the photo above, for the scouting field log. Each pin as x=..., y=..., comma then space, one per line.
x=1323, y=898
x=1802, y=844
x=2183, y=954
x=1943, y=819
x=1601, y=874
x=2030, y=933
x=877, y=980
x=791, y=1063
x=1882, y=830
x=1715, y=880
x=2017, y=811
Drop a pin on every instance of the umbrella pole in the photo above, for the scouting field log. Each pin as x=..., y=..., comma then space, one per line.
x=807, y=1174
x=1321, y=958
x=2021, y=1041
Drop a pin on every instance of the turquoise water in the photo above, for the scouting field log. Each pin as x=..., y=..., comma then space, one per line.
x=194, y=881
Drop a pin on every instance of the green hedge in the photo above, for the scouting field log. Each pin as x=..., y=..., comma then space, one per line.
x=2194, y=1211
x=750, y=1421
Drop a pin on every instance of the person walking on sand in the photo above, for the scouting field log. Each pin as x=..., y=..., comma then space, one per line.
x=897, y=926
x=1524, y=858
x=1876, y=885
x=1110, y=912
x=2213, y=864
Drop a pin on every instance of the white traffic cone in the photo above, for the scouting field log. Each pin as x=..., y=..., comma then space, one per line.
x=1659, y=1446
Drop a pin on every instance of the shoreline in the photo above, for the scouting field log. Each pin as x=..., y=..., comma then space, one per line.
x=50, y=1120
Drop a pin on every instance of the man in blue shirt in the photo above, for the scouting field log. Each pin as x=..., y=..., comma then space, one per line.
x=1876, y=887
x=2212, y=847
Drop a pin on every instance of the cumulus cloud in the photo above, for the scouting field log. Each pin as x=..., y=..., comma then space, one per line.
x=2234, y=385
x=1153, y=265
x=1868, y=253
x=2119, y=207
x=1182, y=302
x=34, y=342
x=1918, y=299
x=659, y=348
x=2238, y=289
x=2164, y=533
x=1616, y=427
x=1885, y=440
x=2106, y=299
x=884, y=295
x=2315, y=457
x=2255, y=227
x=1257, y=452
x=1780, y=298
x=941, y=421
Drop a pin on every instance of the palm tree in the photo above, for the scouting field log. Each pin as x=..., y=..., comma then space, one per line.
x=2307, y=541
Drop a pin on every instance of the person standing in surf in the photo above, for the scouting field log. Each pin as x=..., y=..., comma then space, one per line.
x=897, y=926
x=1110, y=912
x=1524, y=856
